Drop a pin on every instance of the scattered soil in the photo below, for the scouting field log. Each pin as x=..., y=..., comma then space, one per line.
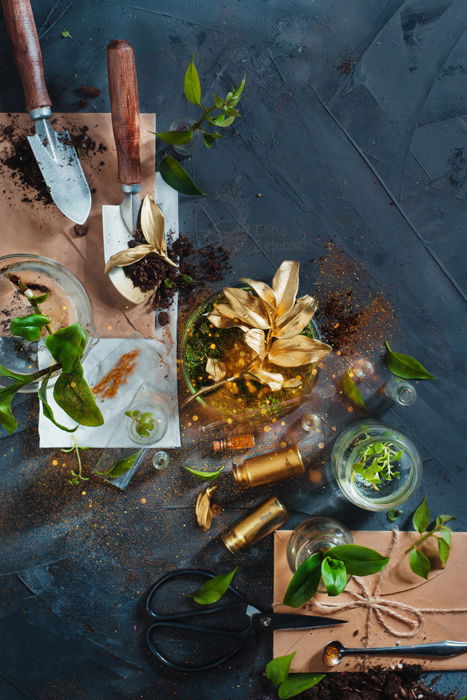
x=346, y=64
x=80, y=230
x=196, y=269
x=377, y=684
x=89, y=91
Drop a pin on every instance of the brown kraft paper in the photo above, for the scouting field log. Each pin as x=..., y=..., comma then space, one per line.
x=390, y=608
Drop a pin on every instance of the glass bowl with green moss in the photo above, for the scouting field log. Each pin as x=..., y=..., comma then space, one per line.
x=242, y=399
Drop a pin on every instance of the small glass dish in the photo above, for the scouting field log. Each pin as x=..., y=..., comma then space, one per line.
x=314, y=535
x=67, y=303
x=155, y=425
x=376, y=467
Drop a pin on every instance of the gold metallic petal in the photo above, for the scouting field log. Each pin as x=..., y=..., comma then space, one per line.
x=247, y=307
x=152, y=226
x=255, y=339
x=220, y=321
x=285, y=286
x=128, y=257
x=273, y=380
x=203, y=508
x=292, y=383
x=294, y=321
x=216, y=369
x=262, y=289
x=297, y=351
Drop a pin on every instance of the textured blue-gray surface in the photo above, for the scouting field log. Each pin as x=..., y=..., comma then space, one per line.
x=353, y=131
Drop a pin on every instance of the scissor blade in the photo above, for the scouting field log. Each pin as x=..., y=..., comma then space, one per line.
x=61, y=170
x=294, y=622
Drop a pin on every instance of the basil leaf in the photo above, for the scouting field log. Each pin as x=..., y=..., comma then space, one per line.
x=444, y=549
x=176, y=137
x=72, y=393
x=121, y=466
x=441, y=519
x=214, y=589
x=421, y=517
x=277, y=669
x=29, y=327
x=7, y=419
x=46, y=408
x=296, y=683
x=405, y=366
x=304, y=582
x=177, y=177
x=419, y=563
x=67, y=346
x=206, y=476
x=351, y=390
x=393, y=514
x=359, y=561
x=192, y=85
x=334, y=575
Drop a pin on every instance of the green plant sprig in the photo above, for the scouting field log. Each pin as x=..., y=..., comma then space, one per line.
x=377, y=462
x=76, y=476
x=333, y=566
x=419, y=562
x=289, y=684
x=144, y=422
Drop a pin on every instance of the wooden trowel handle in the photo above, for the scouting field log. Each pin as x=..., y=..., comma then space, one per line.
x=27, y=51
x=124, y=105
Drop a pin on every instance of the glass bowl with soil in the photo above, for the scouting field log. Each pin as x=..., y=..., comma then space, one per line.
x=242, y=399
x=66, y=302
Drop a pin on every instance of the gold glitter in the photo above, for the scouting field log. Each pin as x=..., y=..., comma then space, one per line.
x=195, y=418
x=320, y=445
x=229, y=420
x=83, y=493
x=350, y=409
x=144, y=500
x=283, y=444
x=267, y=428
x=55, y=462
x=213, y=346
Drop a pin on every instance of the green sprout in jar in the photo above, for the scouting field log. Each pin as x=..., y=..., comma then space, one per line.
x=378, y=462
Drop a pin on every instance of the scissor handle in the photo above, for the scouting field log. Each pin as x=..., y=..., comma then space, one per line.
x=205, y=610
x=154, y=649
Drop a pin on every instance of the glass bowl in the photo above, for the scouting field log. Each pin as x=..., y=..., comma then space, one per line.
x=67, y=303
x=244, y=401
x=357, y=459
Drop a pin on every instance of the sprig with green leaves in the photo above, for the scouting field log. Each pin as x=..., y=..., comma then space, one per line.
x=219, y=115
x=419, y=562
x=290, y=684
x=67, y=346
x=76, y=476
x=333, y=566
x=144, y=422
x=378, y=462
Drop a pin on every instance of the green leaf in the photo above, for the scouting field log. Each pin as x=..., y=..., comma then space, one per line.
x=207, y=476
x=444, y=549
x=419, y=563
x=214, y=589
x=177, y=177
x=421, y=517
x=221, y=120
x=47, y=409
x=359, y=561
x=334, y=575
x=72, y=393
x=237, y=93
x=67, y=346
x=218, y=101
x=446, y=534
x=210, y=138
x=7, y=419
x=66, y=34
x=405, y=366
x=192, y=85
x=24, y=378
x=186, y=279
x=351, y=390
x=121, y=466
x=39, y=299
x=29, y=327
x=441, y=519
x=168, y=283
x=296, y=683
x=277, y=669
x=176, y=138
x=304, y=582
x=393, y=514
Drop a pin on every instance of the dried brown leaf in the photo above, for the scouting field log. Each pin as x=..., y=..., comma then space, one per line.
x=128, y=257
x=285, y=286
x=255, y=339
x=296, y=319
x=297, y=351
x=203, y=508
x=216, y=369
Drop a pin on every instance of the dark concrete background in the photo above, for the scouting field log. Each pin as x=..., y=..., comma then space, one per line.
x=353, y=130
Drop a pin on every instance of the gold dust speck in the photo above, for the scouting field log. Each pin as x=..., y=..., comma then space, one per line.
x=283, y=444
x=64, y=308
x=195, y=418
x=83, y=493
x=144, y=500
x=282, y=422
x=73, y=384
x=350, y=409
x=229, y=420
x=267, y=428
x=320, y=445
x=55, y=462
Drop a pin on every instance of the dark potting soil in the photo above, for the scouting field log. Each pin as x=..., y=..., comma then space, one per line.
x=196, y=268
x=377, y=684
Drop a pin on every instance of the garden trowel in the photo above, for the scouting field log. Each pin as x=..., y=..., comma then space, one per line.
x=54, y=152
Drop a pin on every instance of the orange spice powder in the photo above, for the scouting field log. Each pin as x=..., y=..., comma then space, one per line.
x=109, y=385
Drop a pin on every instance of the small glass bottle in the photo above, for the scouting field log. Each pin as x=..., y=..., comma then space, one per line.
x=313, y=535
x=400, y=391
x=234, y=442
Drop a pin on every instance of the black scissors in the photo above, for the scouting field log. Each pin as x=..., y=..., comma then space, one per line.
x=258, y=622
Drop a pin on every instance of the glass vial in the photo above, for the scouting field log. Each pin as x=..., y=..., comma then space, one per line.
x=400, y=391
x=160, y=460
x=313, y=535
x=235, y=442
x=269, y=467
x=263, y=520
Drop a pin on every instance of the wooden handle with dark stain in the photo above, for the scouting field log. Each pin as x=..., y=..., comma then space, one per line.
x=27, y=51
x=124, y=105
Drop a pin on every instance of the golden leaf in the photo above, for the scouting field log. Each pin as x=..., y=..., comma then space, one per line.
x=216, y=369
x=220, y=320
x=273, y=380
x=255, y=339
x=203, y=508
x=292, y=383
x=263, y=290
x=297, y=351
x=285, y=286
x=247, y=307
x=296, y=319
x=128, y=257
x=152, y=227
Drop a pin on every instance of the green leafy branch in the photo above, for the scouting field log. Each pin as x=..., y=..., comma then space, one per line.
x=377, y=462
x=76, y=476
x=290, y=684
x=419, y=562
x=333, y=566
x=221, y=114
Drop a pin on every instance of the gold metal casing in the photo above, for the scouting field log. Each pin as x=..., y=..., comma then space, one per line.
x=266, y=518
x=272, y=466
